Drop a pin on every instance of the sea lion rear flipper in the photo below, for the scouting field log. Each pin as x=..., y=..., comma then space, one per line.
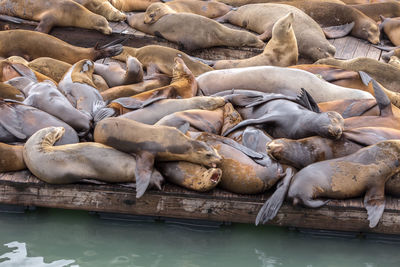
x=374, y=202
x=267, y=118
x=338, y=31
x=24, y=71
x=307, y=101
x=9, y=120
x=363, y=137
x=271, y=207
x=143, y=171
x=152, y=100
x=128, y=102
x=102, y=114
x=97, y=106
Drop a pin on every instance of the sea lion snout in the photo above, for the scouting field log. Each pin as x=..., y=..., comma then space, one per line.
x=274, y=148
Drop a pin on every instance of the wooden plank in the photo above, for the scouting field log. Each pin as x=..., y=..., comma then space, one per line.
x=349, y=48
x=374, y=53
x=339, y=44
x=362, y=49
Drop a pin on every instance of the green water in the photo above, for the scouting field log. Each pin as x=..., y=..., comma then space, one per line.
x=47, y=237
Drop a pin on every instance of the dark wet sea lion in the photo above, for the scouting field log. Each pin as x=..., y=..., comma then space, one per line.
x=103, y=8
x=74, y=162
x=18, y=122
x=132, y=5
x=150, y=143
x=189, y=175
x=195, y=31
x=391, y=27
x=10, y=92
x=163, y=58
x=55, y=13
x=388, y=9
x=260, y=18
x=11, y=158
x=31, y=45
x=281, y=50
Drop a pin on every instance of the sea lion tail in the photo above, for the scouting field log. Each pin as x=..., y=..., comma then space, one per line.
x=274, y=203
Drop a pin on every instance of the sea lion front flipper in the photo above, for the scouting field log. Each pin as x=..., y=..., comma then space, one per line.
x=24, y=71
x=363, y=137
x=307, y=101
x=128, y=102
x=338, y=31
x=271, y=207
x=374, y=202
x=267, y=34
x=46, y=23
x=267, y=118
x=9, y=120
x=143, y=171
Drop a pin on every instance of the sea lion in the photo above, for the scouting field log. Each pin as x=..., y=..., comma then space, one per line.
x=388, y=9
x=150, y=143
x=260, y=18
x=115, y=75
x=103, y=8
x=209, y=9
x=55, y=13
x=247, y=2
x=18, y=122
x=394, y=52
x=189, y=175
x=163, y=58
x=156, y=111
x=10, y=92
x=391, y=27
x=208, y=33
x=78, y=87
x=332, y=14
x=271, y=79
x=73, y=162
x=394, y=61
x=31, y=45
x=281, y=50
x=383, y=73
x=132, y=5
x=11, y=159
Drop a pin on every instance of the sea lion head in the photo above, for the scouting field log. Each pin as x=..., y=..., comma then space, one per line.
x=102, y=26
x=204, y=154
x=180, y=69
x=283, y=27
x=155, y=11
x=370, y=31
x=329, y=124
x=50, y=135
x=321, y=50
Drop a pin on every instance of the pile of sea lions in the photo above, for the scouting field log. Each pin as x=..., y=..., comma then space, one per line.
x=308, y=133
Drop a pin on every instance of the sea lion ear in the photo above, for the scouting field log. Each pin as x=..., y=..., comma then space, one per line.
x=338, y=31
x=9, y=120
x=24, y=71
x=374, y=202
x=143, y=171
x=307, y=101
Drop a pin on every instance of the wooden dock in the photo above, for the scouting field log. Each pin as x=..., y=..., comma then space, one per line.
x=21, y=188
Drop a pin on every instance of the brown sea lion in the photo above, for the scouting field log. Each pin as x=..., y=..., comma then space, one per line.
x=394, y=52
x=247, y=2
x=209, y=9
x=115, y=75
x=55, y=13
x=208, y=33
x=391, y=27
x=332, y=14
x=281, y=50
x=9, y=70
x=260, y=18
x=271, y=79
x=31, y=45
x=11, y=158
x=18, y=122
x=132, y=5
x=163, y=58
x=388, y=9
x=74, y=162
x=150, y=143
x=10, y=92
x=189, y=175
x=103, y=8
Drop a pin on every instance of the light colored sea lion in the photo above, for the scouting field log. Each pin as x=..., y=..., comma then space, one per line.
x=195, y=31
x=163, y=58
x=247, y=2
x=11, y=158
x=55, y=13
x=391, y=27
x=132, y=5
x=281, y=50
x=150, y=143
x=115, y=75
x=385, y=74
x=31, y=45
x=260, y=18
x=18, y=122
x=189, y=175
x=270, y=79
x=10, y=92
x=74, y=162
x=209, y=9
x=388, y=9
x=103, y=8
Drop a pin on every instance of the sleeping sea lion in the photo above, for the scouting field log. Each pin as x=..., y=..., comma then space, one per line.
x=247, y=2
x=388, y=9
x=103, y=8
x=74, y=162
x=391, y=27
x=55, y=13
x=260, y=18
x=150, y=143
x=281, y=50
x=10, y=92
x=195, y=31
x=271, y=79
x=31, y=45
x=11, y=158
x=132, y=5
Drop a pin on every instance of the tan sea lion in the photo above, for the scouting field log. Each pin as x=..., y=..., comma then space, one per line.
x=163, y=58
x=11, y=158
x=132, y=5
x=189, y=175
x=55, y=13
x=31, y=45
x=281, y=50
x=150, y=143
x=74, y=162
x=260, y=18
x=208, y=33
x=103, y=8
x=391, y=27
x=209, y=9
x=388, y=9
x=247, y=2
